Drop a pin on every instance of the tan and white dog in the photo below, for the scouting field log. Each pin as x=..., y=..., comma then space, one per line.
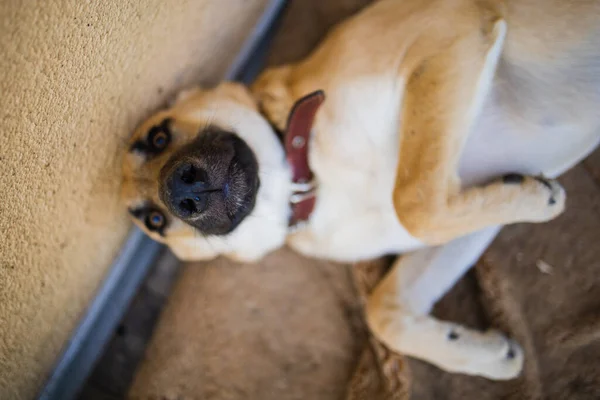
x=440, y=118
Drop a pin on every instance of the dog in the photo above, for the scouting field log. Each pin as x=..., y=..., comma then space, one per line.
x=416, y=127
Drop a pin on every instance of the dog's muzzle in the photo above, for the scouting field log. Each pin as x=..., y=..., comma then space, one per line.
x=211, y=183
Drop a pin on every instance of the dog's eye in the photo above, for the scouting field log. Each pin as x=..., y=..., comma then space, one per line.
x=155, y=221
x=159, y=138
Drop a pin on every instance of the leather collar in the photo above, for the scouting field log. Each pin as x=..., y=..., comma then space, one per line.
x=296, y=140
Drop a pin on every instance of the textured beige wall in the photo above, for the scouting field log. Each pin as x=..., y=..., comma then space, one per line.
x=75, y=78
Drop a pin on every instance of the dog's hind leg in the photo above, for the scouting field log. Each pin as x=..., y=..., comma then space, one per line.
x=397, y=312
x=443, y=97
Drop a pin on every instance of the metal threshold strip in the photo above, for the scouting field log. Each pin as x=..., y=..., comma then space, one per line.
x=138, y=253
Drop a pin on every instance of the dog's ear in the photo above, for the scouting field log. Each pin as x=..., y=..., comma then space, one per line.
x=273, y=96
x=237, y=92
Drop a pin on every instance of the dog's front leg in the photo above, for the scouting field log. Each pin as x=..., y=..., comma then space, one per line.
x=398, y=313
x=444, y=94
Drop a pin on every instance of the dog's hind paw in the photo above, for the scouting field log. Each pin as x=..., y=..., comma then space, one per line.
x=490, y=354
x=507, y=366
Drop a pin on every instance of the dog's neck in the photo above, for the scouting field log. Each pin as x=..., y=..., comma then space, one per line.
x=296, y=140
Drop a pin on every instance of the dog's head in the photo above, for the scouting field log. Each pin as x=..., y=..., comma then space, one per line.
x=208, y=176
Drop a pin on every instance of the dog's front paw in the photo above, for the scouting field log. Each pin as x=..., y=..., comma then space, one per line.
x=555, y=192
x=543, y=199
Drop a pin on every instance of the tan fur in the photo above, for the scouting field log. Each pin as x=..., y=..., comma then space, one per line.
x=428, y=104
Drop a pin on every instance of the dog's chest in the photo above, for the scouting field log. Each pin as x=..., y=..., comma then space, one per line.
x=353, y=154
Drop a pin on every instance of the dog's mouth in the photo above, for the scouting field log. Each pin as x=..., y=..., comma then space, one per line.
x=212, y=182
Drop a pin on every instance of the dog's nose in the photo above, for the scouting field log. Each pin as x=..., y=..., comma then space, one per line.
x=187, y=190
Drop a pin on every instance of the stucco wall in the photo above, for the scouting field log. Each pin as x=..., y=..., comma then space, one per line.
x=75, y=78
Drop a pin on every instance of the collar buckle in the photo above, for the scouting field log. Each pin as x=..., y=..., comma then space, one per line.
x=302, y=191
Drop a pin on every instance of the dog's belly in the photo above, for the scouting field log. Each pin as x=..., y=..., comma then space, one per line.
x=545, y=143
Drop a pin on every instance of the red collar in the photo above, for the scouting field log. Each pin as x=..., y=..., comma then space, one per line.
x=296, y=140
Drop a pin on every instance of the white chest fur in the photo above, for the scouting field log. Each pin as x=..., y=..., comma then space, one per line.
x=354, y=154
